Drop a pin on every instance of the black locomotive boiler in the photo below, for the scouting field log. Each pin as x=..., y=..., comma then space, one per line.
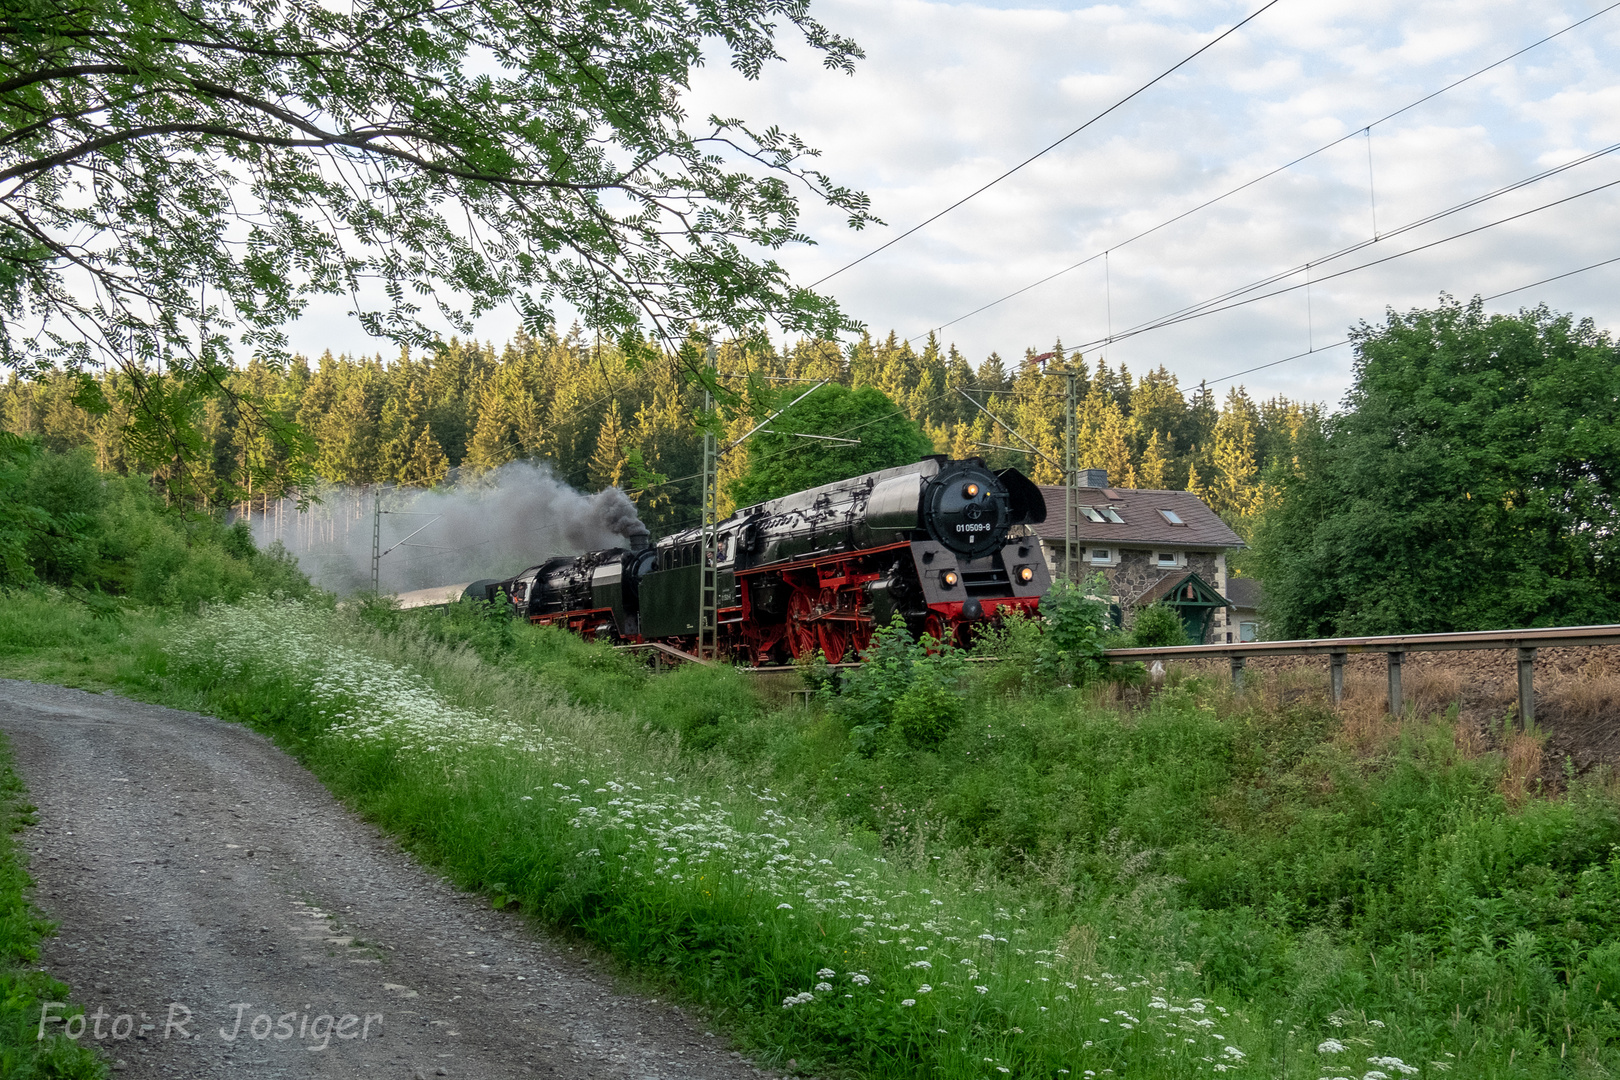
x=942, y=542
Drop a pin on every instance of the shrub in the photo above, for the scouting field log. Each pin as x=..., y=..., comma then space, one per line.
x=63, y=522
x=1158, y=626
x=911, y=684
x=930, y=708
x=1072, y=647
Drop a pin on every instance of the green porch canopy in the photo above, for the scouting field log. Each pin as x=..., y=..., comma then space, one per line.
x=1193, y=598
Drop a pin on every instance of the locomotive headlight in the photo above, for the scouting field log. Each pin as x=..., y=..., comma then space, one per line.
x=1026, y=574
x=971, y=490
x=948, y=579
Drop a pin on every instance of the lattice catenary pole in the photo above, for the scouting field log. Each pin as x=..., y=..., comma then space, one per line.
x=1071, y=485
x=708, y=618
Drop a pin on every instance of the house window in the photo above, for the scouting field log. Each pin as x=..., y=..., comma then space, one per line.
x=1113, y=515
x=1101, y=555
x=1248, y=631
x=1172, y=517
x=1093, y=514
x=1167, y=558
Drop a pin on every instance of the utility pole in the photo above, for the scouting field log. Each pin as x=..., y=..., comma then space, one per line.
x=708, y=599
x=376, y=536
x=1071, y=486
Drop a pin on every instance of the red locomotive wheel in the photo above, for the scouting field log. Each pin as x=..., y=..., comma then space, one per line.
x=936, y=627
x=802, y=638
x=863, y=636
x=834, y=641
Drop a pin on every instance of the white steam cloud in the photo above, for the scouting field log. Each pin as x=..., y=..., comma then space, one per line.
x=491, y=527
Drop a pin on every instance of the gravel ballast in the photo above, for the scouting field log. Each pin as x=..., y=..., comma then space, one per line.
x=221, y=914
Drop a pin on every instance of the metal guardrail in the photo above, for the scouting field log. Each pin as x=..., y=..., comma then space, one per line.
x=1395, y=647
x=1338, y=650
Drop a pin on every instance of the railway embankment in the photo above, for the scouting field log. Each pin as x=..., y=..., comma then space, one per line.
x=949, y=871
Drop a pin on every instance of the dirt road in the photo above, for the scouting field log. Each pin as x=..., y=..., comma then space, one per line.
x=221, y=915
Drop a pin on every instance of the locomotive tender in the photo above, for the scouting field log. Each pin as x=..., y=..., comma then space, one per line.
x=941, y=542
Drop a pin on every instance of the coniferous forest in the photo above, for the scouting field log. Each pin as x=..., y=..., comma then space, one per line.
x=599, y=421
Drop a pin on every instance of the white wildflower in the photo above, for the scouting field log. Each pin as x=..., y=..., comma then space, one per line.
x=1330, y=1046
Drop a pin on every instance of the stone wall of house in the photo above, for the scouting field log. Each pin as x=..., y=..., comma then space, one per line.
x=1138, y=570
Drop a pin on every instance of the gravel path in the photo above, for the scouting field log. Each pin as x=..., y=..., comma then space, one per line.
x=197, y=871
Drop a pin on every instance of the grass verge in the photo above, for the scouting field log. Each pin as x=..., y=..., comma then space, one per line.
x=24, y=989
x=1058, y=885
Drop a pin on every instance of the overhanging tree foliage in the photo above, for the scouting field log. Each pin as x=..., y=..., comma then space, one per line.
x=181, y=176
x=1470, y=483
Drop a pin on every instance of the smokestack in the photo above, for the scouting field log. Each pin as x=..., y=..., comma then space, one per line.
x=1094, y=478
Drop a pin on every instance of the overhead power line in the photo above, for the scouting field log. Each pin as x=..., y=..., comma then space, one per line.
x=1206, y=204
x=1346, y=341
x=1238, y=297
x=1166, y=73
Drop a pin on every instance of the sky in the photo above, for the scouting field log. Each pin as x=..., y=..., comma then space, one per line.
x=952, y=94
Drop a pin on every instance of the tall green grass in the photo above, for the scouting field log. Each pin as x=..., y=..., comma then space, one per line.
x=1333, y=911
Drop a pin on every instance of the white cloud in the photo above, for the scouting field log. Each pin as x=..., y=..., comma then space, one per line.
x=950, y=95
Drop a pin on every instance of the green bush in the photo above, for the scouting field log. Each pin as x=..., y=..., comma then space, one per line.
x=930, y=708
x=64, y=523
x=1071, y=651
x=1158, y=626
x=905, y=684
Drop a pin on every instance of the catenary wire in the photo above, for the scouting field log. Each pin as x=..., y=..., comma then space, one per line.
x=1346, y=341
x=1427, y=219
x=1269, y=174
x=1053, y=146
x=1201, y=310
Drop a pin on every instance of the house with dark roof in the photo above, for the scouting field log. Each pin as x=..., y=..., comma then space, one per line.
x=1150, y=546
x=1246, y=596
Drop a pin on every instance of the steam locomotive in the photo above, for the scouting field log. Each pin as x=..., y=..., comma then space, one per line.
x=944, y=543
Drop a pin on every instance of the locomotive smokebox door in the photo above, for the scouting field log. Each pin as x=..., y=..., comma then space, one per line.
x=966, y=509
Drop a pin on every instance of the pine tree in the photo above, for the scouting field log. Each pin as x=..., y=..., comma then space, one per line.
x=608, y=461
x=1112, y=449
x=1154, y=471
x=993, y=374
x=347, y=435
x=403, y=418
x=1234, y=483
x=428, y=463
x=1195, y=483
x=493, y=442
